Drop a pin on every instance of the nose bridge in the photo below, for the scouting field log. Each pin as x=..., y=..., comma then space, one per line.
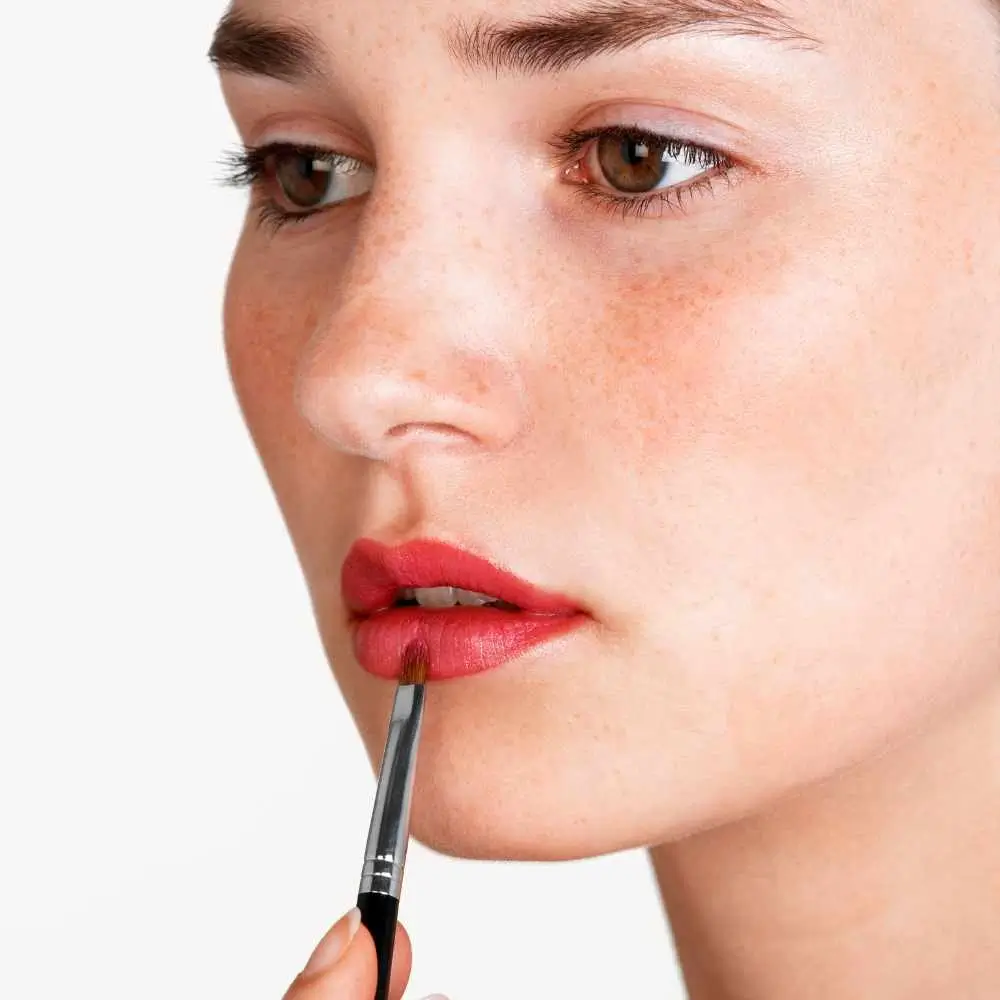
x=417, y=340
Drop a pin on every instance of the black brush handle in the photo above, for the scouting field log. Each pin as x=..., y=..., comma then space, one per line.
x=378, y=914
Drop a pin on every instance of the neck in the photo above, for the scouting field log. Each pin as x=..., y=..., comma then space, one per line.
x=883, y=881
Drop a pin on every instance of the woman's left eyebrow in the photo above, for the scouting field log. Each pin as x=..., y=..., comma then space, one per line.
x=552, y=43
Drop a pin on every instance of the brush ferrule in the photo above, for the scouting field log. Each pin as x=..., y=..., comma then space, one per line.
x=385, y=854
x=382, y=875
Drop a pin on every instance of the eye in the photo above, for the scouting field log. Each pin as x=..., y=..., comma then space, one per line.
x=635, y=164
x=628, y=170
x=310, y=179
x=293, y=182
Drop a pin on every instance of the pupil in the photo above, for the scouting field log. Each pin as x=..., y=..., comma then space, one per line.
x=631, y=165
x=634, y=153
x=304, y=180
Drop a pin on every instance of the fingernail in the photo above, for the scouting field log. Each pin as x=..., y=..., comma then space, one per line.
x=334, y=943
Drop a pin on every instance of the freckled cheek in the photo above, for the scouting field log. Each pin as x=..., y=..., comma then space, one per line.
x=268, y=322
x=642, y=350
x=260, y=345
x=732, y=379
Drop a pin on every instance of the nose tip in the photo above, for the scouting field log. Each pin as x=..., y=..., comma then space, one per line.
x=375, y=401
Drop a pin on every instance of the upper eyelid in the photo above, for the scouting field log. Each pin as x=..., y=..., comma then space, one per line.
x=559, y=143
x=303, y=149
x=303, y=146
x=573, y=142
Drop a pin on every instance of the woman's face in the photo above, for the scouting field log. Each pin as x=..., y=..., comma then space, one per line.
x=752, y=427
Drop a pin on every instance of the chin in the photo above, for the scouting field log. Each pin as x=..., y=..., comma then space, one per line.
x=491, y=804
x=496, y=781
x=468, y=823
x=500, y=795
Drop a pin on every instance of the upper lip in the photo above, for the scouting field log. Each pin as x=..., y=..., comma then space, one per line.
x=373, y=574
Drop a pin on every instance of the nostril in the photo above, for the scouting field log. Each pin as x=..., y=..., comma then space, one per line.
x=428, y=430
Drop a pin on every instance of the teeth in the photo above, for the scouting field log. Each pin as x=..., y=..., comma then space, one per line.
x=434, y=597
x=446, y=597
x=472, y=599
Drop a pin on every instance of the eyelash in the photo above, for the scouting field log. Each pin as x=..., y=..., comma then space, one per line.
x=247, y=167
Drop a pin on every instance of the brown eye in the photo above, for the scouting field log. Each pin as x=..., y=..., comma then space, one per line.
x=304, y=180
x=631, y=164
x=640, y=163
x=307, y=180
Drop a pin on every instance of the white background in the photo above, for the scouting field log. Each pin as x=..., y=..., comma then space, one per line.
x=183, y=797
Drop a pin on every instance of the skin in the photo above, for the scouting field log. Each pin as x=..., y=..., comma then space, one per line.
x=760, y=441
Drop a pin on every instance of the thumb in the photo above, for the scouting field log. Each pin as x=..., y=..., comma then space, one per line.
x=344, y=965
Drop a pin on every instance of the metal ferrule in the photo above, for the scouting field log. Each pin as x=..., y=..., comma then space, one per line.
x=385, y=854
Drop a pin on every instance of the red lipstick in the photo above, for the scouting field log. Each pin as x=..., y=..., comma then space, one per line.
x=460, y=640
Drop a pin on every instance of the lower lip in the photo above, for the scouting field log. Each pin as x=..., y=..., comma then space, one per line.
x=461, y=640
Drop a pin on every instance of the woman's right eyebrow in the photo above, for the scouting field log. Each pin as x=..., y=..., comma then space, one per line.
x=551, y=43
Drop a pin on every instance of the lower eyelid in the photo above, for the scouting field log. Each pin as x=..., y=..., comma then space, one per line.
x=663, y=201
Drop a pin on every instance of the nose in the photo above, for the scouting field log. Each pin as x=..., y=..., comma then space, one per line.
x=415, y=349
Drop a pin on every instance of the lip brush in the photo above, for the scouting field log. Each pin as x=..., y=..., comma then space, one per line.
x=385, y=853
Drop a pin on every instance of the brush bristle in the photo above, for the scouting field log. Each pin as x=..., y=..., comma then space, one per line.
x=415, y=662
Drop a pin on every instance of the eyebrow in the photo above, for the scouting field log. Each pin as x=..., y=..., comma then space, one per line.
x=250, y=47
x=559, y=41
x=549, y=44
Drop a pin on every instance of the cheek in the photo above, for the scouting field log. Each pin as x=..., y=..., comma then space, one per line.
x=806, y=463
x=819, y=361
x=269, y=321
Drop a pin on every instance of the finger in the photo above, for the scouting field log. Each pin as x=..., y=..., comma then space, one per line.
x=402, y=961
x=344, y=965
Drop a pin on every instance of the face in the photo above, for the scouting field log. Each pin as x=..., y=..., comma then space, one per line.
x=747, y=417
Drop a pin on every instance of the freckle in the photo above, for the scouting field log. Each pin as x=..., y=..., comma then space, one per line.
x=310, y=318
x=480, y=385
x=968, y=247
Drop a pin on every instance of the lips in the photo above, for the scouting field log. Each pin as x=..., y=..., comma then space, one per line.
x=461, y=640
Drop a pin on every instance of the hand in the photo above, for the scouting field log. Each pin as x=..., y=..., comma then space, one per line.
x=343, y=966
